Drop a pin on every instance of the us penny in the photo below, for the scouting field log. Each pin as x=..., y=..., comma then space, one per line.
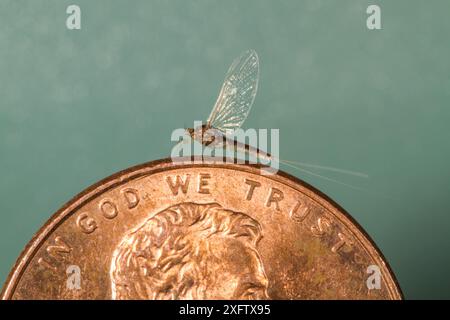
x=201, y=230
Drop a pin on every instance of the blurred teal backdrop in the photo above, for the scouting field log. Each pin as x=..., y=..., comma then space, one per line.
x=77, y=106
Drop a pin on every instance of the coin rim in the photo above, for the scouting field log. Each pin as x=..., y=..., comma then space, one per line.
x=161, y=165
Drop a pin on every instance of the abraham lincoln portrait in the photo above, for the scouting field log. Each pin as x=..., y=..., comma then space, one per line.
x=190, y=251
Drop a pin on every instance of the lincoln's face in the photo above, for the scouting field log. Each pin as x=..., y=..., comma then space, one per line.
x=236, y=271
x=191, y=251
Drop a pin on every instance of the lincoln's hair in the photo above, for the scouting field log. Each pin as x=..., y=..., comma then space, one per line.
x=169, y=257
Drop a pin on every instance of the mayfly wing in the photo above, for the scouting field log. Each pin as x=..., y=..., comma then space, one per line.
x=237, y=93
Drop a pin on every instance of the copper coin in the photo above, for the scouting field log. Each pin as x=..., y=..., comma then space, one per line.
x=201, y=230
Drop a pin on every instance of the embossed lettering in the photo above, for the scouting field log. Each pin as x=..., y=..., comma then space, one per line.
x=275, y=196
x=86, y=223
x=56, y=252
x=44, y=263
x=299, y=212
x=109, y=209
x=178, y=184
x=59, y=249
x=131, y=197
x=253, y=185
x=323, y=224
x=343, y=240
x=203, y=183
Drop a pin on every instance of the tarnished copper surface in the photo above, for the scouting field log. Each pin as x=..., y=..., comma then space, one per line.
x=200, y=231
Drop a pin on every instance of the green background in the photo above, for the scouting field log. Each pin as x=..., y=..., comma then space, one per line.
x=77, y=106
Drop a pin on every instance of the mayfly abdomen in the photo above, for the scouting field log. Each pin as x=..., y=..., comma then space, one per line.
x=254, y=154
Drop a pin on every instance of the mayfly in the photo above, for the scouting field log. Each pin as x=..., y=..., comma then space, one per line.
x=232, y=107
